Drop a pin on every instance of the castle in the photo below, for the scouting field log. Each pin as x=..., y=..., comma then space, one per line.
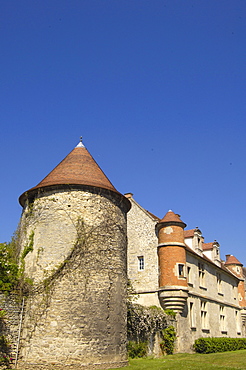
x=74, y=231
x=174, y=269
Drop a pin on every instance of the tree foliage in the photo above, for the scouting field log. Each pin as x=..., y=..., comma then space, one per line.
x=8, y=266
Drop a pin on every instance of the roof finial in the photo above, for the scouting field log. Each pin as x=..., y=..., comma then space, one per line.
x=80, y=144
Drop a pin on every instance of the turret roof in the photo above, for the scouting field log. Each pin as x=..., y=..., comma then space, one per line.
x=232, y=260
x=170, y=216
x=77, y=168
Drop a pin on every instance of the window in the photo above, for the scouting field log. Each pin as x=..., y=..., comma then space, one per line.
x=188, y=275
x=140, y=263
x=238, y=324
x=192, y=316
x=222, y=320
x=218, y=276
x=201, y=273
x=181, y=269
x=204, y=316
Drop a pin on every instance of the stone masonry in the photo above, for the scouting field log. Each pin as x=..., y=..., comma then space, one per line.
x=76, y=318
x=74, y=240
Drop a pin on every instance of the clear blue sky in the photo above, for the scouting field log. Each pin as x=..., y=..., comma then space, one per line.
x=156, y=89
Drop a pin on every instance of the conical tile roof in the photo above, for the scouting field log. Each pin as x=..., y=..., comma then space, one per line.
x=232, y=260
x=171, y=216
x=78, y=168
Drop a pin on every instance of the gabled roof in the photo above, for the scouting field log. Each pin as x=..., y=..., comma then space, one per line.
x=207, y=246
x=149, y=214
x=205, y=258
x=153, y=216
x=77, y=168
x=189, y=233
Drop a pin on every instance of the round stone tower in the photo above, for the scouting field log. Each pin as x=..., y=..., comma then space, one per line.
x=73, y=249
x=173, y=288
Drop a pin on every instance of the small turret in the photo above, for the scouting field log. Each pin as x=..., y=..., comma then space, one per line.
x=173, y=286
x=236, y=267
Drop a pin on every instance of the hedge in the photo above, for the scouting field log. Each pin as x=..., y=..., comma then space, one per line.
x=210, y=345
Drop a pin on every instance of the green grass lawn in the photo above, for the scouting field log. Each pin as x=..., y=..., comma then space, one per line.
x=226, y=360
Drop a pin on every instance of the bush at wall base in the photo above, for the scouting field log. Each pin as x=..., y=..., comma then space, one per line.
x=212, y=345
x=137, y=349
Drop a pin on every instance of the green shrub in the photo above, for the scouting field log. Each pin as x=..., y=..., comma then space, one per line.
x=5, y=350
x=170, y=313
x=136, y=350
x=169, y=336
x=3, y=313
x=211, y=345
x=8, y=267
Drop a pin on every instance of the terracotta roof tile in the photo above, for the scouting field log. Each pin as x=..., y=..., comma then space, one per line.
x=207, y=246
x=204, y=257
x=231, y=260
x=189, y=233
x=77, y=168
x=170, y=216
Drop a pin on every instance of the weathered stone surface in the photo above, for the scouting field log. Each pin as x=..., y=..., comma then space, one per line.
x=10, y=324
x=76, y=315
x=99, y=366
x=142, y=242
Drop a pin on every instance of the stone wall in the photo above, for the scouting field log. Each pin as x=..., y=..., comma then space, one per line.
x=10, y=324
x=216, y=301
x=142, y=241
x=76, y=313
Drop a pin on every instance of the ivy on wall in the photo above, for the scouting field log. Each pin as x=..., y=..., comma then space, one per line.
x=8, y=266
x=12, y=266
x=169, y=336
x=143, y=321
x=5, y=346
